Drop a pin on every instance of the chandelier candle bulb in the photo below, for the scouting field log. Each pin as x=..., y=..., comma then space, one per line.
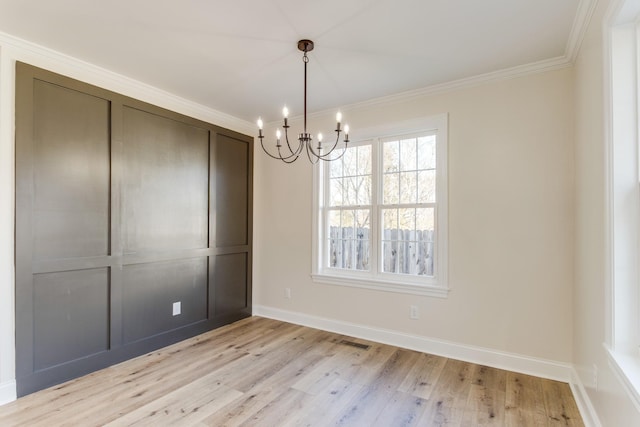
x=339, y=117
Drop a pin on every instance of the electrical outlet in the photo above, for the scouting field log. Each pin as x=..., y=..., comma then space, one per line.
x=287, y=293
x=177, y=308
x=413, y=312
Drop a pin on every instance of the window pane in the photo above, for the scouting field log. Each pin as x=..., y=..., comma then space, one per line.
x=362, y=223
x=348, y=257
x=408, y=187
x=390, y=156
x=347, y=223
x=425, y=258
x=364, y=160
x=427, y=186
x=364, y=191
x=427, y=152
x=425, y=219
x=389, y=240
x=389, y=224
x=334, y=220
x=335, y=192
x=389, y=256
x=425, y=225
x=362, y=242
x=349, y=161
x=391, y=189
x=335, y=168
x=350, y=191
x=407, y=219
x=335, y=241
x=408, y=155
x=405, y=260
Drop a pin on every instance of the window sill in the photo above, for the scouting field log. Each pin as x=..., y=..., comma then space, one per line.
x=382, y=285
x=626, y=368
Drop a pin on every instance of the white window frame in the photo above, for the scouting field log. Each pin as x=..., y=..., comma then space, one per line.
x=622, y=77
x=436, y=285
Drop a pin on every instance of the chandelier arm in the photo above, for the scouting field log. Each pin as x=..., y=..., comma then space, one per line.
x=344, y=150
x=286, y=159
x=268, y=153
x=286, y=138
x=335, y=144
x=279, y=156
x=312, y=159
x=310, y=148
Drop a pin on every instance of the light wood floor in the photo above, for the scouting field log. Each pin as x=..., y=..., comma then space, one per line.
x=261, y=372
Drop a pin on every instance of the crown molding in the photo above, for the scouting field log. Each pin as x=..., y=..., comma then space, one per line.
x=579, y=28
x=494, y=76
x=25, y=51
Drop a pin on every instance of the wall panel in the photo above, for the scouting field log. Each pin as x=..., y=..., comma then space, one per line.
x=150, y=290
x=166, y=183
x=118, y=207
x=71, y=173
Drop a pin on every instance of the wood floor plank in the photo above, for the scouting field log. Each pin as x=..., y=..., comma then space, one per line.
x=326, y=404
x=438, y=414
x=341, y=363
x=389, y=374
x=186, y=406
x=559, y=410
x=238, y=411
x=485, y=406
x=454, y=385
x=423, y=376
x=282, y=408
x=402, y=410
x=262, y=372
x=524, y=393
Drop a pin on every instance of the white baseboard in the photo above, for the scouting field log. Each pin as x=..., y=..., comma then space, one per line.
x=484, y=356
x=588, y=412
x=7, y=392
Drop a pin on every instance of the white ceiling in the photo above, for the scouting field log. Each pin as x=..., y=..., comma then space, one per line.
x=240, y=56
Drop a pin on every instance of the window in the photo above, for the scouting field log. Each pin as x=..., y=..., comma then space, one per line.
x=381, y=211
x=623, y=209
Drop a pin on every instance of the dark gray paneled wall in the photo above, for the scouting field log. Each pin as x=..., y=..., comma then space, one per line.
x=122, y=210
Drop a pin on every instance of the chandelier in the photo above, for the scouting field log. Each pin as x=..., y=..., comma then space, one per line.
x=288, y=153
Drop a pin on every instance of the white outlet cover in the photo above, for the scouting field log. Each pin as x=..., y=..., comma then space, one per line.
x=414, y=313
x=177, y=309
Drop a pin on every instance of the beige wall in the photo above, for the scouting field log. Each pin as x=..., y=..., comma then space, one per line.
x=510, y=223
x=591, y=294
